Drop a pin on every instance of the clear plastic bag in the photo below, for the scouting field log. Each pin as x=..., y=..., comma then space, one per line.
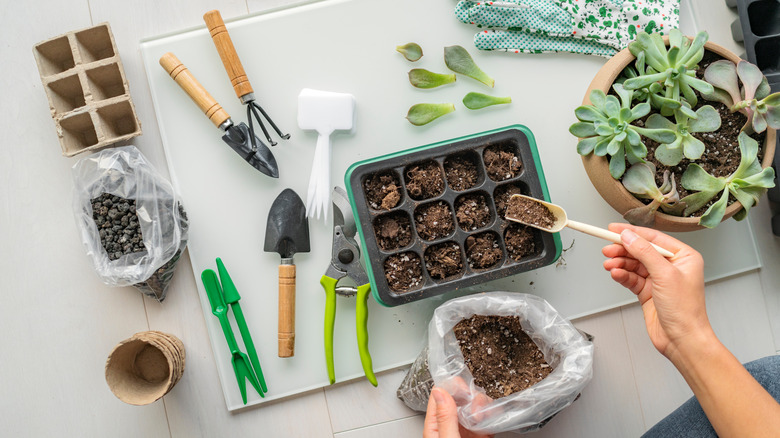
x=125, y=172
x=568, y=352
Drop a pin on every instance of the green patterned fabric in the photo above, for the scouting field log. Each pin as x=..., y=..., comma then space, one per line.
x=592, y=27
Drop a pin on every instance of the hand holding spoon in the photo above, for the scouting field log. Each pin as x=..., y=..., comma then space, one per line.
x=552, y=218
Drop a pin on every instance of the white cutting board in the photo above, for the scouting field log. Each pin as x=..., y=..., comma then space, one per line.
x=349, y=46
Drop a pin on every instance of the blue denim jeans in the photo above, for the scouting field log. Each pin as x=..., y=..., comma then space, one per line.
x=689, y=420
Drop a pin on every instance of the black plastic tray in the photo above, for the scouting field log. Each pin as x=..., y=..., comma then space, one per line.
x=530, y=180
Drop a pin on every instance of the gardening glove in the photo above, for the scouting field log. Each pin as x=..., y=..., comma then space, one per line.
x=599, y=27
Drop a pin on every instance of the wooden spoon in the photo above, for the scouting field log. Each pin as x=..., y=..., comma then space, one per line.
x=561, y=221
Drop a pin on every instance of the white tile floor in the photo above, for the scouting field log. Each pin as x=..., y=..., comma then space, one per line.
x=57, y=331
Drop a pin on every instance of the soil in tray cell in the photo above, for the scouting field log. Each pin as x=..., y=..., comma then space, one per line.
x=393, y=231
x=501, y=163
x=461, y=171
x=117, y=224
x=530, y=212
x=502, y=358
x=472, y=211
x=403, y=271
x=519, y=241
x=502, y=194
x=434, y=220
x=383, y=190
x=483, y=251
x=424, y=180
x=444, y=261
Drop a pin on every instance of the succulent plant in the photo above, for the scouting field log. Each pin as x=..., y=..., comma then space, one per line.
x=752, y=99
x=673, y=68
x=424, y=113
x=459, y=61
x=650, y=93
x=640, y=180
x=687, y=122
x=422, y=78
x=747, y=184
x=475, y=101
x=411, y=51
x=605, y=128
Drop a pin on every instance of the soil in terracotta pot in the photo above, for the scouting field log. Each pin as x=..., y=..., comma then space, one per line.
x=501, y=163
x=482, y=250
x=472, y=211
x=530, y=212
x=721, y=155
x=424, y=180
x=502, y=358
x=434, y=221
x=117, y=224
x=403, y=271
x=519, y=241
x=383, y=190
x=444, y=260
x=461, y=171
x=502, y=194
x=393, y=231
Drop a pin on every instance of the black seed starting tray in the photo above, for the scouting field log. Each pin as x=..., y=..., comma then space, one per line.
x=431, y=219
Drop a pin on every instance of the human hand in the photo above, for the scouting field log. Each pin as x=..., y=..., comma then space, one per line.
x=441, y=418
x=671, y=291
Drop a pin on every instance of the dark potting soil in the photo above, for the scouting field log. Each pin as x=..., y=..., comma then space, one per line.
x=501, y=163
x=501, y=196
x=502, y=358
x=721, y=155
x=117, y=223
x=383, y=190
x=393, y=231
x=482, y=250
x=472, y=211
x=461, y=171
x=403, y=271
x=434, y=221
x=519, y=241
x=424, y=180
x=530, y=212
x=443, y=260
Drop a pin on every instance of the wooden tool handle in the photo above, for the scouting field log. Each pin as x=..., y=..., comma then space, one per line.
x=194, y=89
x=609, y=235
x=227, y=52
x=286, y=310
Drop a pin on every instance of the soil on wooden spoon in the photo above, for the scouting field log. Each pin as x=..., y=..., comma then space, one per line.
x=502, y=194
x=482, y=250
x=434, y=220
x=443, y=260
x=424, y=180
x=383, y=190
x=530, y=212
x=403, y=271
x=393, y=231
x=502, y=358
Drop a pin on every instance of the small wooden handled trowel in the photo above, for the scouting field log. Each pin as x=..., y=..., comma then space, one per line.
x=287, y=232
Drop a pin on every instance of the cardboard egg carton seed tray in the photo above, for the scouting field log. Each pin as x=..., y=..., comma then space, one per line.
x=87, y=90
x=407, y=245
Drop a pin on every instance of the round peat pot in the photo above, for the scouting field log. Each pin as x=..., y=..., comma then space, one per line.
x=611, y=189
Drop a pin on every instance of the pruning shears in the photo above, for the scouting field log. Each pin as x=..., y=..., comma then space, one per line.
x=345, y=263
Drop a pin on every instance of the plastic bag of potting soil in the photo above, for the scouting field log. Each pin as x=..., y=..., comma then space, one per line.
x=132, y=223
x=565, y=349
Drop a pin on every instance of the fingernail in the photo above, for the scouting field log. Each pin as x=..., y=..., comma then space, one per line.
x=437, y=396
x=628, y=237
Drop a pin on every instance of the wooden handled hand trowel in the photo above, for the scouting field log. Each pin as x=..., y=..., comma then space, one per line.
x=287, y=233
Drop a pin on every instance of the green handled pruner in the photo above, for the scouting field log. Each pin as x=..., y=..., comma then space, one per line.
x=219, y=298
x=345, y=263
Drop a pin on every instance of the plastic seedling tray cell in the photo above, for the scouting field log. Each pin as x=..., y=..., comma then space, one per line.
x=514, y=248
x=760, y=20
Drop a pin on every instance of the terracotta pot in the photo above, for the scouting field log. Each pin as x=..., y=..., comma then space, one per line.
x=612, y=190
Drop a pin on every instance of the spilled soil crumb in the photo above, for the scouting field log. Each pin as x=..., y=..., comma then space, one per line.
x=502, y=358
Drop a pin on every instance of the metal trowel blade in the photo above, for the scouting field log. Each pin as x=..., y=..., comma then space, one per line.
x=237, y=137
